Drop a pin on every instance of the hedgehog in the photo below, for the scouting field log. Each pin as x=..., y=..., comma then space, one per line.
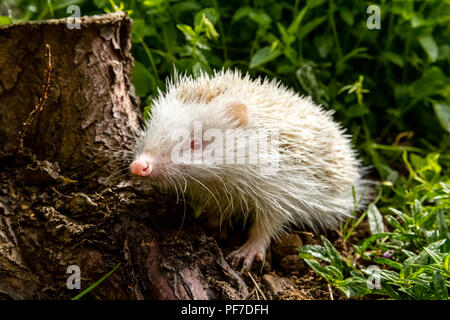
x=253, y=152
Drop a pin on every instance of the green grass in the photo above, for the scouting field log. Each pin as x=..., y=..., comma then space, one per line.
x=412, y=254
x=389, y=87
x=95, y=284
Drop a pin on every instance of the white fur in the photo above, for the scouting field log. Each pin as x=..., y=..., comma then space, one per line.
x=317, y=168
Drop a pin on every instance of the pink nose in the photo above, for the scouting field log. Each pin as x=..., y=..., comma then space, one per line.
x=141, y=166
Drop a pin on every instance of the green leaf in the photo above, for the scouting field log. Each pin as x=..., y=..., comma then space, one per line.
x=355, y=53
x=324, y=273
x=417, y=161
x=332, y=253
x=347, y=15
x=399, y=214
x=153, y=3
x=375, y=219
x=184, y=6
x=306, y=76
x=138, y=31
x=420, y=290
x=444, y=52
x=437, y=244
x=432, y=81
x=439, y=286
x=443, y=229
x=393, y=222
x=200, y=67
x=394, y=58
x=416, y=210
x=286, y=37
x=316, y=251
x=356, y=110
x=210, y=14
x=315, y=3
x=188, y=32
x=5, y=20
x=442, y=224
x=204, y=22
x=408, y=265
x=63, y=4
x=447, y=263
x=260, y=17
x=335, y=273
x=417, y=20
x=143, y=80
x=147, y=112
x=293, y=28
x=262, y=56
x=371, y=239
x=202, y=43
x=389, y=275
x=389, y=262
x=391, y=292
x=101, y=3
x=241, y=13
x=310, y=26
x=442, y=111
x=433, y=255
x=354, y=286
x=429, y=45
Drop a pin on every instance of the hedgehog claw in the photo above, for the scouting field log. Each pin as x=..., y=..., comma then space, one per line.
x=248, y=253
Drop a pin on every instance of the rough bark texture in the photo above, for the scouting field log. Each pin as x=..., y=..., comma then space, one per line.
x=54, y=209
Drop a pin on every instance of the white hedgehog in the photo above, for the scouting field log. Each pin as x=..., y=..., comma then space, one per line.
x=313, y=168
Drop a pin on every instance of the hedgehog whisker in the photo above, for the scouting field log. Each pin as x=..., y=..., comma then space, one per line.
x=117, y=174
x=207, y=189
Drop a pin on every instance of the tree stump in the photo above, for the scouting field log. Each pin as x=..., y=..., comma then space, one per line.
x=57, y=207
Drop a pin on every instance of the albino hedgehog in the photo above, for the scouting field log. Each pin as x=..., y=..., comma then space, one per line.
x=313, y=168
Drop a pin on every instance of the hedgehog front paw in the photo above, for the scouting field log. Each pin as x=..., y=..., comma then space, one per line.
x=246, y=254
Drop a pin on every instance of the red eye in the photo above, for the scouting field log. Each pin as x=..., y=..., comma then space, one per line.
x=195, y=144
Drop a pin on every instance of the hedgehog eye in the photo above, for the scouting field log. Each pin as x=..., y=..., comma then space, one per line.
x=195, y=144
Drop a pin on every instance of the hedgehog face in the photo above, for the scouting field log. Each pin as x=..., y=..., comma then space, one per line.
x=187, y=138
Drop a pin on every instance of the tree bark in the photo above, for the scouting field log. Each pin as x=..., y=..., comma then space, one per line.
x=57, y=207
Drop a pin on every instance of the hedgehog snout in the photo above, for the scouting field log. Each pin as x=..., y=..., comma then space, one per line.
x=142, y=166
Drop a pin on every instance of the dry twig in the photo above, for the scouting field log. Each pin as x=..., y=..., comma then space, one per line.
x=256, y=285
x=331, y=292
x=40, y=105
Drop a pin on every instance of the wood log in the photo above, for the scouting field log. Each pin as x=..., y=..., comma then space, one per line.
x=56, y=206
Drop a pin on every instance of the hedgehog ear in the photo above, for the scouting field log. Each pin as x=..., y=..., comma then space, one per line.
x=238, y=112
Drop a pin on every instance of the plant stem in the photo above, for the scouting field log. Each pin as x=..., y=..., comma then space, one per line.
x=50, y=8
x=225, y=52
x=354, y=225
x=394, y=148
x=333, y=28
x=150, y=58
